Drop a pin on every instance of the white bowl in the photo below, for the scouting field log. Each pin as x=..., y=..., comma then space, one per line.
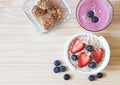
x=102, y=40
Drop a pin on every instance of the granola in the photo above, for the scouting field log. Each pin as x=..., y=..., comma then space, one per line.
x=48, y=13
x=88, y=40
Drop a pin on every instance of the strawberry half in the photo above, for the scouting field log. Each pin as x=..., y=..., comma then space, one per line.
x=77, y=46
x=83, y=59
x=98, y=54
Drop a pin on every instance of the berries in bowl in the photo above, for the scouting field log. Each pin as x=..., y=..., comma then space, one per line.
x=87, y=53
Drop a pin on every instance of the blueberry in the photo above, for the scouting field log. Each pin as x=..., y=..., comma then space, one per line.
x=56, y=69
x=57, y=63
x=62, y=68
x=90, y=14
x=66, y=77
x=95, y=19
x=74, y=57
x=91, y=78
x=92, y=65
x=89, y=48
x=99, y=75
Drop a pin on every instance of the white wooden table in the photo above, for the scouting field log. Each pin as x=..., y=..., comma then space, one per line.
x=26, y=57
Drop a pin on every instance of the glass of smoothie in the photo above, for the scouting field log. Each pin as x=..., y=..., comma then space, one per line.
x=94, y=15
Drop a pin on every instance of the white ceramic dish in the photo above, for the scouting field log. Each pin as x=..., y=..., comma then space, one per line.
x=102, y=41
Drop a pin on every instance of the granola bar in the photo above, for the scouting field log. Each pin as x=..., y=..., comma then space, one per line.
x=47, y=21
x=48, y=13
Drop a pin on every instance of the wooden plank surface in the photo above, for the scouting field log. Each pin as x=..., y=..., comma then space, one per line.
x=26, y=57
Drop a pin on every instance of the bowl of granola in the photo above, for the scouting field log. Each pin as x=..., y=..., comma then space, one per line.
x=87, y=53
x=46, y=15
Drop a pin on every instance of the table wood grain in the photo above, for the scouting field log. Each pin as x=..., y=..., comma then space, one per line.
x=26, y=56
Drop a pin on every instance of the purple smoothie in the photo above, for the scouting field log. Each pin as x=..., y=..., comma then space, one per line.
x=103, y=10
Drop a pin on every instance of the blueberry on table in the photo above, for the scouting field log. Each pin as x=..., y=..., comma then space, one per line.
x=95, y=19
x=92, y=65
x=56, y=69
x=99, y=75
x=89, y=48
x=66, y=76
x=62, y=68
x=74, y=57
x=57, y=62
x=90, y=14
x=91, y=78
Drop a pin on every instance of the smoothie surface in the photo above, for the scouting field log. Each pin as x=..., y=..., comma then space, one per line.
x=100, y=10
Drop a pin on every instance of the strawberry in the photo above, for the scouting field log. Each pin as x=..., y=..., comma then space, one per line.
x=77, y=46
x=98, y=54
x=83, y=59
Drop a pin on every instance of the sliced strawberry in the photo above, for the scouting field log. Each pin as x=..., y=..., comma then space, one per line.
x=98, y=54
x=84, y=59
x=77, y=46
